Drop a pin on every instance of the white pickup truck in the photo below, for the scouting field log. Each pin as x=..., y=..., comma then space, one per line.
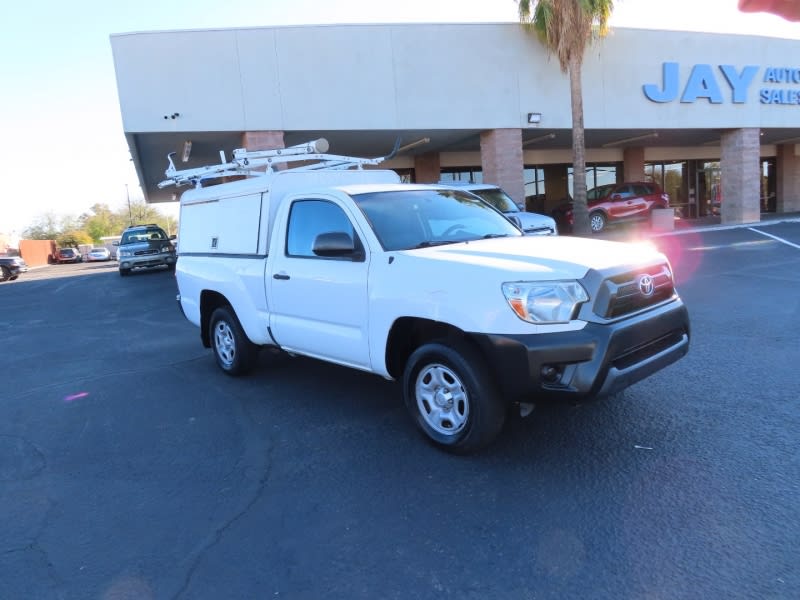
x=425, y=284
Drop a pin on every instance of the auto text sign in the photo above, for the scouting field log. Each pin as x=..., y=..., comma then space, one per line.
x=718, y=84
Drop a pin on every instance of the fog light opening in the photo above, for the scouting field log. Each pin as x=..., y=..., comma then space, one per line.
x=551, y=373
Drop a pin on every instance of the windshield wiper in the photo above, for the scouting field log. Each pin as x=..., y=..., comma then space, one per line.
x=489, y=236
x=429, y=243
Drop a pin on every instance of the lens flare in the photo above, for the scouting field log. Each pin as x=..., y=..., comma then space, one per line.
x=77, y=396
x=679, y=250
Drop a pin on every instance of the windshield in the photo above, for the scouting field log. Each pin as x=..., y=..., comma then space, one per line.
x=132, y=237
x=599, y=192
x=405, y=219
x=497, y=198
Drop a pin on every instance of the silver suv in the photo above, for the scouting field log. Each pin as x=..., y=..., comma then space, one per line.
x=530, y=223
x=145, y=246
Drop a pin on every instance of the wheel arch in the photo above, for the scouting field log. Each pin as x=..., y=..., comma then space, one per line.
x=209, y=302
x=409, y=333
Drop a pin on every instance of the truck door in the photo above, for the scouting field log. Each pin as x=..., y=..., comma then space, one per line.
x=319, y=303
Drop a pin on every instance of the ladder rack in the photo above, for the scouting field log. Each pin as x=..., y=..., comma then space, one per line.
x=248, y=162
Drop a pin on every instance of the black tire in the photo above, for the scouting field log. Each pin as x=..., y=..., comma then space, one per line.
x=6, y=273
x=234, y=352
x=470, y=413
x=597, y=221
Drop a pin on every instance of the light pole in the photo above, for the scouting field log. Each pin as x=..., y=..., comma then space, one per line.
x=128, y=196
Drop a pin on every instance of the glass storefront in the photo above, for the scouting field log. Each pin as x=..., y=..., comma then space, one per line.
x=534, y=189
x=694, y=186
x=672, y=177
x=596, y=174
x=768, y=185
x=462, y=174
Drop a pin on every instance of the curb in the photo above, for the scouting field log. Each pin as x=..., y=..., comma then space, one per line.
x=720, y=227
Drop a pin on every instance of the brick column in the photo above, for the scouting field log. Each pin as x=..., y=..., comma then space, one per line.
x=788, y=175
x=741, y=176
x=262, y=140
x=633, y=167
x=501, y=160
x=427, y=168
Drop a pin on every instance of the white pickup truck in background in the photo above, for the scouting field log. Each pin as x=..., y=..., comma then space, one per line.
x=426, y=284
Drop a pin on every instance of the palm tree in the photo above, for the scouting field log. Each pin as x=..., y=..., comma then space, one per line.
x=565, y=27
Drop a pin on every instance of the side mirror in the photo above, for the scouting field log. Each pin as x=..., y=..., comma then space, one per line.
x=336, y=244
x=515, y=220
x=173, y=237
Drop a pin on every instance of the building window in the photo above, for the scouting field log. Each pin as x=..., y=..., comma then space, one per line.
x=596, y=175
x=462, y=174
x=672, y=178
x=768, y=185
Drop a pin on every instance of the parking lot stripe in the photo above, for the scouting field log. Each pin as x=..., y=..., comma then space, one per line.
x=775, y=237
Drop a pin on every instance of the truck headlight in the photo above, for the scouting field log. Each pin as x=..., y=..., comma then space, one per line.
x=125, y=253
x=546, y=301
x=167, y=248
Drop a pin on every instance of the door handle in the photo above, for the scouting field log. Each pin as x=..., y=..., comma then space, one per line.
x=282, y=276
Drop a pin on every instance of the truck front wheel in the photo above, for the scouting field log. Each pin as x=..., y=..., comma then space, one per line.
x=452, y=398
x=235, y=353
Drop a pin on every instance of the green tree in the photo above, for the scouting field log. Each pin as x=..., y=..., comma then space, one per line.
x=102, y=222
x=73, y=239
x=47, y=226
x=566, y=27
x=99, y=222
x=142, y=213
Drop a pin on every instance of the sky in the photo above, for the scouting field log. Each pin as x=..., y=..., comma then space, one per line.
x=62, y=147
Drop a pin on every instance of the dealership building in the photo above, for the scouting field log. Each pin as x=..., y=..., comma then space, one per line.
x=713, y=118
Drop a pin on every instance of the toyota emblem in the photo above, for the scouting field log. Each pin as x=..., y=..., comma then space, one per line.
x=646, y=285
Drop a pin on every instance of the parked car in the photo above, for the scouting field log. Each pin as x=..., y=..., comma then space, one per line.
x=145, y=246
x=11, y=267
x=615, y=203
x=98, y=255
x=530, y=223
x=69, y=255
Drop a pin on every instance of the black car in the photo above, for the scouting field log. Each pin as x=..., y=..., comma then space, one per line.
x=11, y=267
x=68, y=255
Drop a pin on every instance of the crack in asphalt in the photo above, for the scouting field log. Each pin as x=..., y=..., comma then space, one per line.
x=51, y=569
x=216, y=537
x=24, y=472
x=35, y=545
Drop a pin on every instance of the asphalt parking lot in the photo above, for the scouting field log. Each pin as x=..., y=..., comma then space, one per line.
x=131, y=467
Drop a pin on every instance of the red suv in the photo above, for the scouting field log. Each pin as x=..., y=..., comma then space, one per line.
x=616, y=203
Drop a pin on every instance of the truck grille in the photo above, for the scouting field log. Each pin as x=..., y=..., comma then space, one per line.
x=627, y=293
x=146, y=252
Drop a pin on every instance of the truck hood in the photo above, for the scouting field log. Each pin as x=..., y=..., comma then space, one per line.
x=543, y=257
x=534, y=222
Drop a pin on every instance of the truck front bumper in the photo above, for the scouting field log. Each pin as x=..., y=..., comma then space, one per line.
x=596, y=361
x=148, y=261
